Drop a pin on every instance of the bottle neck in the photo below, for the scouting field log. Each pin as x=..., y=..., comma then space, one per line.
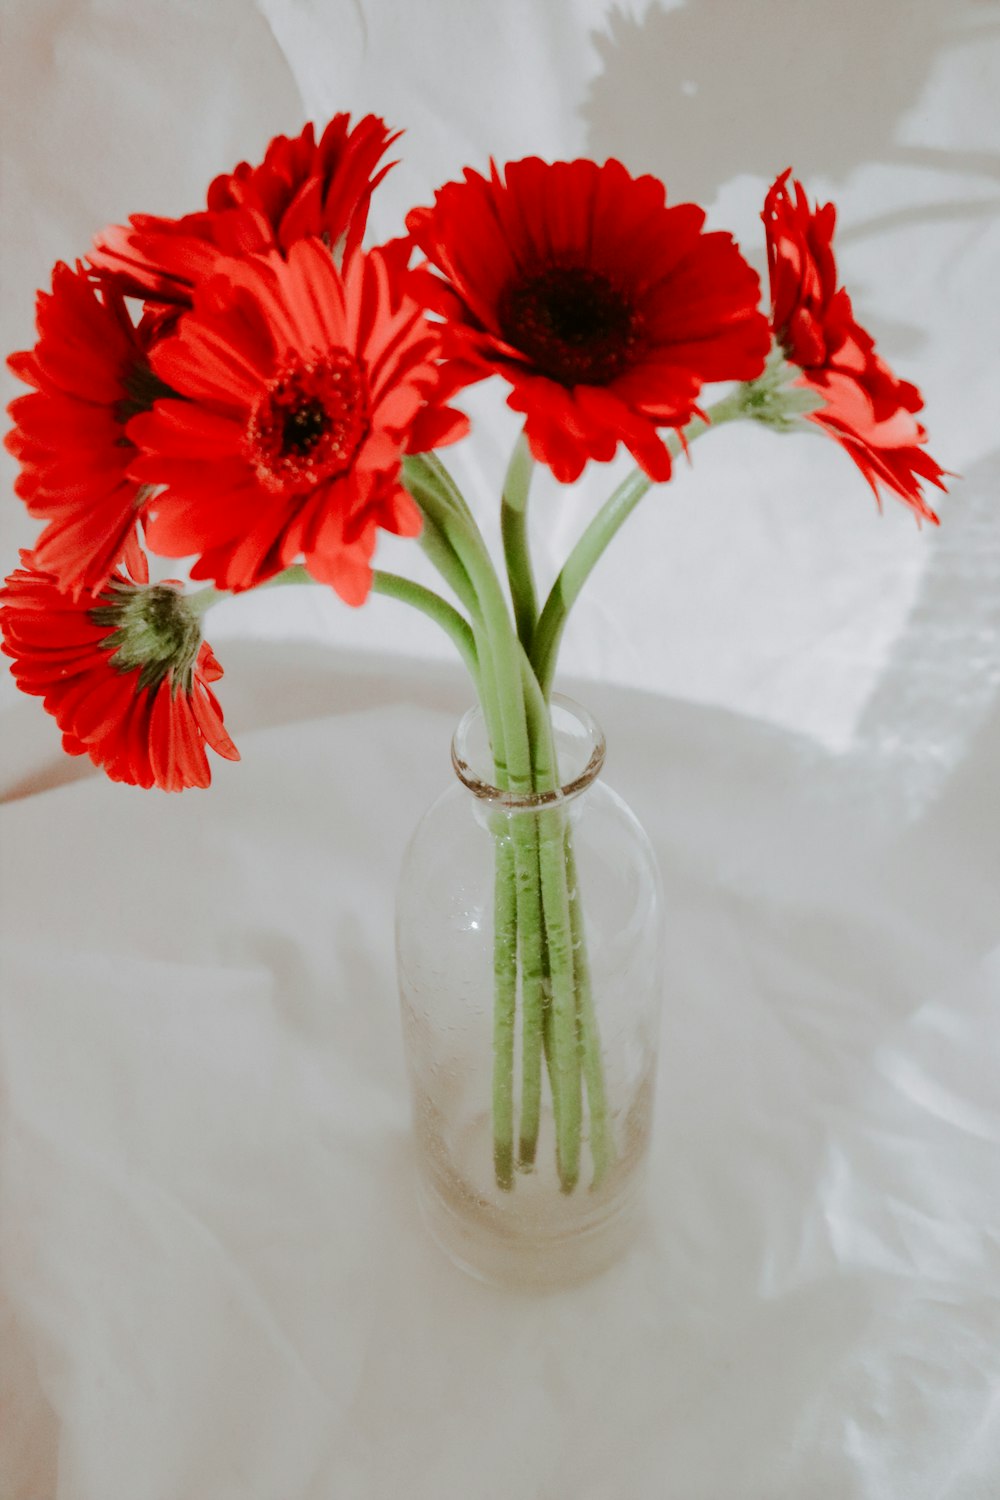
x=579, y=745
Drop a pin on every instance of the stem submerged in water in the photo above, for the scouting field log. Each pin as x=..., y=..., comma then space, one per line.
x=539, y=953
x=504, y=1007
x=601, y=1142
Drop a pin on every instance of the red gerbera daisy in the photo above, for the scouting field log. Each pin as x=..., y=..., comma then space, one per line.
x=303, y=387
x=868, y=410
x=301, y=188
x=91, y=373
x=124, y=673
x=605, y=309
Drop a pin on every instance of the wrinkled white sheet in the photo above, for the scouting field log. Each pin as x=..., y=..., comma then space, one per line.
x=208, y=1233
x=215, y=1284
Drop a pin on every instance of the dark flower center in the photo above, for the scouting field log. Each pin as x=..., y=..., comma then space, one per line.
x=309, y=422
x=303, y=427
x=573, y=323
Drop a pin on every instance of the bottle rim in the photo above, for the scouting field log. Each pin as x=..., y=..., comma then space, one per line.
x=588, y=733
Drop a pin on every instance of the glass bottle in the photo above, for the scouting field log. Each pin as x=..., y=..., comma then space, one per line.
x=515, y=1189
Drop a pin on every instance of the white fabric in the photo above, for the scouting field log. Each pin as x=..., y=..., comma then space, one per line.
x=209, y=1236
x=214, y=1276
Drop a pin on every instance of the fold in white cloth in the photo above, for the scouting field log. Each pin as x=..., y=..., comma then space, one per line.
x=208, y=1234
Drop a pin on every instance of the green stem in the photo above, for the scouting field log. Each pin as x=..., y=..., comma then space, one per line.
x=592, y=545
x=539, y=917
x=491, y=711
x=537, y=913
x=466, y=542
x=601, y=1143
x=203, y=599
x=553, y=1028
x=567, y=1091
x=431, y=468
x=436, y=609
x=296, y=574
x=536, y=1022
x=517, y=893
x=393, y=587
x=514, y=530
x=438, y=550
x=505, y=651
x=509, y=928
x=588, y=1036
x=425, y=473
x=504, y=1005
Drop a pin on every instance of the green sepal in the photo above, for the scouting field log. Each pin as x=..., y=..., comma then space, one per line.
x=775, y=400
x=152, y=627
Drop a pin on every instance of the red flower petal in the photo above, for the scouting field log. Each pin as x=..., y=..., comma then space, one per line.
x=302, y=189
x=90, y=372
x=868, y=409
x=295, y=451
x=577, y=279
x=148, y=736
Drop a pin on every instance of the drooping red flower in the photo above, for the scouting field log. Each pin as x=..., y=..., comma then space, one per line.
x=123, y=672
x=302, y=188
x=604, y=309
x=302, y=388
x=868, y=409
x=90, y=372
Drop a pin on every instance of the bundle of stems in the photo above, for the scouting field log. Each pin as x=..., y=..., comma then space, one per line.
x=539, y=944
x=510, y=647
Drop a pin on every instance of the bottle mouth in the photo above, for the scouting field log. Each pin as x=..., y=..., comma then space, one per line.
x=580, y=751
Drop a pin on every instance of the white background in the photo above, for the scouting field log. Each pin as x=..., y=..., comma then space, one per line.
x=215, y=1280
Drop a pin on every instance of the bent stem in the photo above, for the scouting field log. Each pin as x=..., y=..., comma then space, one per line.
x=435, y=608
x=393, y=586
x=593, y=543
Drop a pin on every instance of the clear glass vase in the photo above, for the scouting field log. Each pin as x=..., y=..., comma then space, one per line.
x=529, y=949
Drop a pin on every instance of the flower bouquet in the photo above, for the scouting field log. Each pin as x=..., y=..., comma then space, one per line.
x=252, y=387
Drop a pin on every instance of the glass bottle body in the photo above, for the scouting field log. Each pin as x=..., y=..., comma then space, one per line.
x=529, y=949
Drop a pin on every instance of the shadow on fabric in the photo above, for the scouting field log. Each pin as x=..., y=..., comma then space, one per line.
x=703, y=92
